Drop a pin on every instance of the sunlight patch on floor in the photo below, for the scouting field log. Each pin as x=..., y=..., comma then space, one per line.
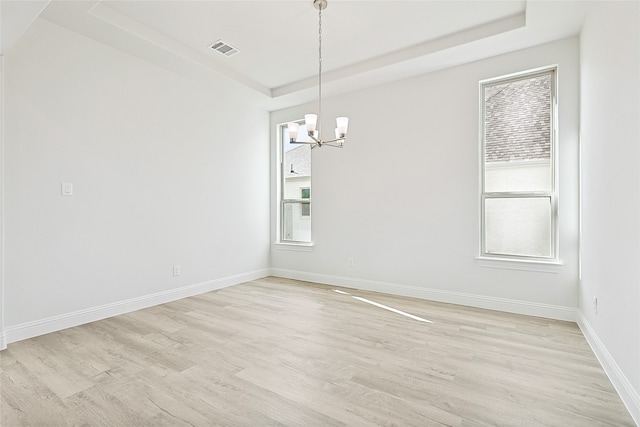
x=411, y=316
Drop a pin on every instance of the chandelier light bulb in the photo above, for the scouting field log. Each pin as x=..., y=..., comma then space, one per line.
x=293, y=131
x=343, y=125
x=311, y=120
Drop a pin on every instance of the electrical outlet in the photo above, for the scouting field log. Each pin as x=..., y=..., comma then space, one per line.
x=595, y=304
x=176, y=270
x=67, y=189
x=350, y=262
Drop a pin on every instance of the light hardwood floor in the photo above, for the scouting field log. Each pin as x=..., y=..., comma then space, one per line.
x=278, y=352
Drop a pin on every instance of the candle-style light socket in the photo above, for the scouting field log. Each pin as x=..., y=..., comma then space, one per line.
x=311, y=120
x=293, y=131
x=343, y=126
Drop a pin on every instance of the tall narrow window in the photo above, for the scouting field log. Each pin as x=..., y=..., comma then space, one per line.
x=519, y=200
x=295, y=192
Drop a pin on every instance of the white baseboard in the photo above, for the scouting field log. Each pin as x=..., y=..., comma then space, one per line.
x=630, y=397
x=3, y=340
x=480, y=301
x=80, y=317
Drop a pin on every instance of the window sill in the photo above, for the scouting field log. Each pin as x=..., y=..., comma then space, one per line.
x=290, y=246
x=521, y=264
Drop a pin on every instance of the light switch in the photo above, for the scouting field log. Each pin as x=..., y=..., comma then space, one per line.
x=67, y=189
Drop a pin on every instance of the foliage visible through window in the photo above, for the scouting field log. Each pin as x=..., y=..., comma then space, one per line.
x=295, y=179
x=519, y=201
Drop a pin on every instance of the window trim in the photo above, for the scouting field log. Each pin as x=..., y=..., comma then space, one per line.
x=501, y=260
x=281, y=201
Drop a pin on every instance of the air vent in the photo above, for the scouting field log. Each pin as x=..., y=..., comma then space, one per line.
x=224, y=48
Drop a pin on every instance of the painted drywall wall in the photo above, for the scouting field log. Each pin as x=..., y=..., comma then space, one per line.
x=3, y=337
x=165, y=171
x=610, y=191
x=402, y=198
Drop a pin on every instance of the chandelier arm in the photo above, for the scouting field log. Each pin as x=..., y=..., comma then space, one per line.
x=312, y=143
x=316, y=140
x=334, y=144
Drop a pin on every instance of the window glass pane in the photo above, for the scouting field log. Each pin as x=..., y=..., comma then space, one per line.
x=296, y=225
x=518, y=226
x=297, y=171
x=296, y=163
x=306, y=207
x=517, y=135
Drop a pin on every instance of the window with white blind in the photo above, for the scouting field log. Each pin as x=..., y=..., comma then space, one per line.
x=519, y=201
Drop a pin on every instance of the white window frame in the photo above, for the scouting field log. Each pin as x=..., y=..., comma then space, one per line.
x=506, y=260
x=281, y=130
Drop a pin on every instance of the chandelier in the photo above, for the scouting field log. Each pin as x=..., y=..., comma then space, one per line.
x=312, y=121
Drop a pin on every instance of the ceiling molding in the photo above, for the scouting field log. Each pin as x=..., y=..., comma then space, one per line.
x=428, y=47
x=175, y=36
x=102, y=11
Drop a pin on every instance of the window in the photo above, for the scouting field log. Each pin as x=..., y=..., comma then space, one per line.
x=518, y=172
x=306, y=206
x=295, y=187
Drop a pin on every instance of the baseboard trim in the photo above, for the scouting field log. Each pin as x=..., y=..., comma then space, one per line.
x=630, y=397
x=80, y=317
x=480, y=301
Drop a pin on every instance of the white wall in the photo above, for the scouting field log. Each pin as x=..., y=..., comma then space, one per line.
x=422, y=239
x=610, y=192
x=161, y=176
x=3, y=338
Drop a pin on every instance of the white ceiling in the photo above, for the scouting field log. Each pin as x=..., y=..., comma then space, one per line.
x=364, y=42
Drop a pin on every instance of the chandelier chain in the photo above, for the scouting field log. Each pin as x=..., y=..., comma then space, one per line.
x=319, y=69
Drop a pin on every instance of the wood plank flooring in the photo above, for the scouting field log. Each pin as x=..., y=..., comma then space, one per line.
x=277, y=352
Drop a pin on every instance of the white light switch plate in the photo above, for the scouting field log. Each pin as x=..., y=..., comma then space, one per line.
x=67, y=189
